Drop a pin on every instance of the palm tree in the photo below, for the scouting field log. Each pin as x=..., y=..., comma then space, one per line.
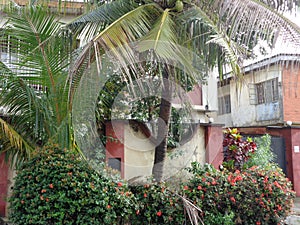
x=217, y=32
x=34, y=90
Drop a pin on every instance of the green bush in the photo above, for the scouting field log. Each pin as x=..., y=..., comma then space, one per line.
x=255, y=196
x=157, y=205
x=58, y=187
x=263, y=156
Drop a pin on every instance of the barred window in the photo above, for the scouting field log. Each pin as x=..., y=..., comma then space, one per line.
x=267, y=91
x=224, y=104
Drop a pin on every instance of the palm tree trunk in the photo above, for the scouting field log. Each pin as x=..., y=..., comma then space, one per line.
x=163, y=127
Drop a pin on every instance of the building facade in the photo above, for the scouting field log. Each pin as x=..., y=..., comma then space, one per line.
x=267, y=101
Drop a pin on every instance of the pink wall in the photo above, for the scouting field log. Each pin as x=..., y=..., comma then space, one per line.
x=194, y=96
x=115, y=142
x=214, y=145
x=295, y=145
x=3, y=185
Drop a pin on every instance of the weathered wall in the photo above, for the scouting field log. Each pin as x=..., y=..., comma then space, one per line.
x=181, y=157
x=226, y=119
x=243, y=111
x=137, y=151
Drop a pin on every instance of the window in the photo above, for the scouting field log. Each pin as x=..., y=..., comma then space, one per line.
x=260, y=93
x=267, y=91
x=224, y=104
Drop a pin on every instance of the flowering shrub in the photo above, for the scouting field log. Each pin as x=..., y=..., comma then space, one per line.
x=236, y=150
x=157, y=205
x=256, y=196
x=57, y=187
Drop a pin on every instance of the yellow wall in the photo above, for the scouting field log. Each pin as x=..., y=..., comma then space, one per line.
x=139, y=154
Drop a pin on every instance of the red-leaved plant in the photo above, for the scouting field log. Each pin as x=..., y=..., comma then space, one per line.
x=236, y=150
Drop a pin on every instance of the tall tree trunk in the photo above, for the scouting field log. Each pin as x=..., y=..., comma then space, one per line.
x=163, y=127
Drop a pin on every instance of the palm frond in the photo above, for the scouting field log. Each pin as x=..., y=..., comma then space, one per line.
x=279, y=5
x=41, y=51
x=116, y=41
x=26, y=108
x=90, y=24
x=247, y=20
x=34, y=91
x=163, y=31
x=17, y=148
x=210, y=41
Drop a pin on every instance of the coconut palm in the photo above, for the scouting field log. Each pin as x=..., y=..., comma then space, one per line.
x=34, y=97
x=218, y=32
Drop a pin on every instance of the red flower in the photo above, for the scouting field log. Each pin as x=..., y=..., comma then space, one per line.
x=258, y=223
x=108, y=206
x=213, y=182
x=159, y=213
x=229, y=178
x=120, y=184
x=239, y=178
x=279, y=207
x=42, y=197
x=199, y=187
x=186, y=188
x=277, y=185
x=51, y=186
x=232, y=199
x=137, y=212
x=43, y=190
x=22, y=202
x=145, y=195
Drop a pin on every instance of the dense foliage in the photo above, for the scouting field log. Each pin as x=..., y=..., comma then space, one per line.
x=254, y=196
x=157, y=205
x=263, y=155
x=57, y=187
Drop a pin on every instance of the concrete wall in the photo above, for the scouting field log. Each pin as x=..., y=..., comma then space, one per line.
x=181, y=157
x=138, y=153
x=136, y=150
x=244, y=112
